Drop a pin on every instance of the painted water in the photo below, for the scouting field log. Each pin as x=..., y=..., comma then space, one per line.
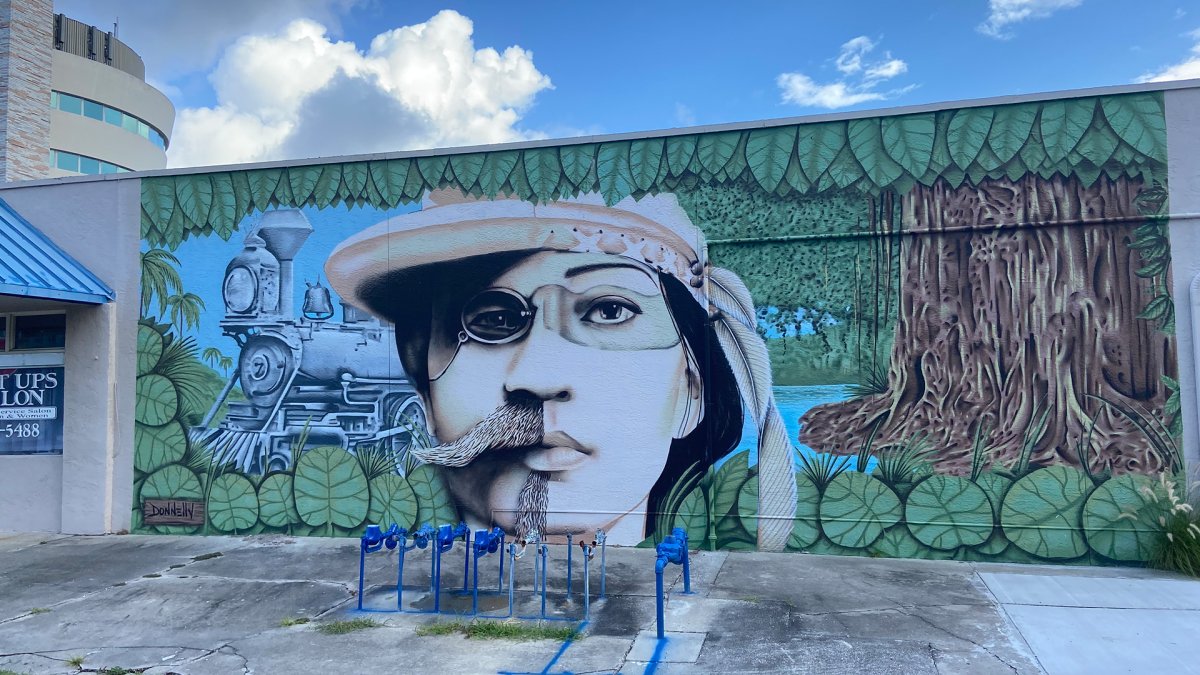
x=793, y=402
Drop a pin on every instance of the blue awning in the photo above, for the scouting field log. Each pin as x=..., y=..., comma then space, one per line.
x=33, y=266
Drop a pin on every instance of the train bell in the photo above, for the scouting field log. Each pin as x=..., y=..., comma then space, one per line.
x=317, y=304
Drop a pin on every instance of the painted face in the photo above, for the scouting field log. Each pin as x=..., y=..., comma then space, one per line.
x=589, y=338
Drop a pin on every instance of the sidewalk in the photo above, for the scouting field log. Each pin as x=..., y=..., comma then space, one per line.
x=198, y=605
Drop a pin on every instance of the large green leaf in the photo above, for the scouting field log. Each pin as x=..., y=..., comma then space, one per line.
x=793, y=178
x=378, y=171
x=866, y=141
x=1063, y=125
x=157, y=401
x=414, y=184
x=680, y=150
x=1042, y=513
x=496, y=168
x=432, y=169
x=1010, y=129
x=1099, y=143
x=908, y=139
x=232, y=503
x=434, y=504
x=645, y=160
x=158, y=199
x=331, y=488
x=843, y=172
x=967, y=133
x=693, y=516
x=946, y=512
x=542, y=169
x=325, y=190
x=818, y=145
x=155, y=447
x=354, y=180
x=612, y=170
x=276, y=501
x=303, y=180
x=857, y=508
x=1113, y=534
x=1138, y=119
x=727, y=483
x=149, y=349
x=224, y=215
x=768, y=152
x=195, y=193
x=898, y=542
x=806, y=529
x=174, y=481
x=396, y=171
x=715, y=150
x=576, y=163
x=262, y=185
x=392, y=501
x=467, y=168
x=747, y=506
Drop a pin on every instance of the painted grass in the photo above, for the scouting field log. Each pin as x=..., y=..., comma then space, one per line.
x=343, y=627
x=501, y=630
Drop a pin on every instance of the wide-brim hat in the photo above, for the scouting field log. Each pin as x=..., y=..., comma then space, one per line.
x=452, y=226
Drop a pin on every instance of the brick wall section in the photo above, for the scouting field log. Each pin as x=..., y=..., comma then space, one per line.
x=26, y=50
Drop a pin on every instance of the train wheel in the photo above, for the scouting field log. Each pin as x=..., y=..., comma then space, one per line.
x=406, y=420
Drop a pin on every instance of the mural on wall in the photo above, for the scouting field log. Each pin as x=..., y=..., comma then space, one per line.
x=944, y=334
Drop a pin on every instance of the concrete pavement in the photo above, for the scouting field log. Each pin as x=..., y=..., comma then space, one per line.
x=198, y=605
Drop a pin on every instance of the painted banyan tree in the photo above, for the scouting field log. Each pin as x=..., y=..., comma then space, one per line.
x=961, y=321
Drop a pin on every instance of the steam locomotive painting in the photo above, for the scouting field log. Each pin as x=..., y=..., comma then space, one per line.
x=307, y=381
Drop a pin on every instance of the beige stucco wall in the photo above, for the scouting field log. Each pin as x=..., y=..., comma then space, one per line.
x=1183, y=182
x=96, y=138
x=90, y=486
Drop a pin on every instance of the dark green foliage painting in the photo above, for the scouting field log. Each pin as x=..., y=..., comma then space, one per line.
x=945, y=335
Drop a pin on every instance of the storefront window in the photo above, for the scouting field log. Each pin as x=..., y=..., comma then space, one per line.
x=39, y=331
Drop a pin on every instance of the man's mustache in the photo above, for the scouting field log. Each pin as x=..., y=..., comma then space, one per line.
x=512, y=425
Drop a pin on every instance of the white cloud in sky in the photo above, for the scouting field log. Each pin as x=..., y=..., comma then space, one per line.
x=1186, y=69
x=298, y=93
x=1004, y=13
x=176, y=37
x=860, y=78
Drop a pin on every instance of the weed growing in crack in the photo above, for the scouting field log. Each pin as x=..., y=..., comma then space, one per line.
x=39, y=610
x=293, y=621
x=76, y=661
x=343, y=627
x=501, y=630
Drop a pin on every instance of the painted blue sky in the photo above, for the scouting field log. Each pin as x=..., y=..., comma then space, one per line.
x=289, y=79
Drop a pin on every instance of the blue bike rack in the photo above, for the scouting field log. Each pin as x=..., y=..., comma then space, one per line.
x=672, y=549
x=441, y=540
x=487, y=542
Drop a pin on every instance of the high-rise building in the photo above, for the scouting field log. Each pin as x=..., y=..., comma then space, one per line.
x=74, y=99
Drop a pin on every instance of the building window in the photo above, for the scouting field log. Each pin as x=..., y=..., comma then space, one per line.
x=69, y=161
x=99, y=111
x=32, y=332
x=39, y=331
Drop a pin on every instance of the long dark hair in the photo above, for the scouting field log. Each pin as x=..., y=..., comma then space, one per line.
x=721, y=428
x=405, y=298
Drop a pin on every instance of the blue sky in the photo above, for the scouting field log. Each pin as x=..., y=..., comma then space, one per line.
x=370, y=76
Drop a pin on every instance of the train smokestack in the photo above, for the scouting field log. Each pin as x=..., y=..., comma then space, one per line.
x=285, y=231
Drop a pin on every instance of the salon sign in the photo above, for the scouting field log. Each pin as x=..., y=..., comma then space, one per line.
x=31, y=411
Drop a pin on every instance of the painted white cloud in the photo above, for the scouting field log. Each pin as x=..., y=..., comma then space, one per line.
x=860, y=78
x=298, y=93
x=1004, y=13
x=1186, y=69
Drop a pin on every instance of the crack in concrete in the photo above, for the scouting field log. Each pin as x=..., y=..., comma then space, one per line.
x=931, y=624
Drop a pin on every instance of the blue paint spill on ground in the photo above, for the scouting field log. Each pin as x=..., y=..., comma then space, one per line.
x=652, y=664
x=562, y=649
